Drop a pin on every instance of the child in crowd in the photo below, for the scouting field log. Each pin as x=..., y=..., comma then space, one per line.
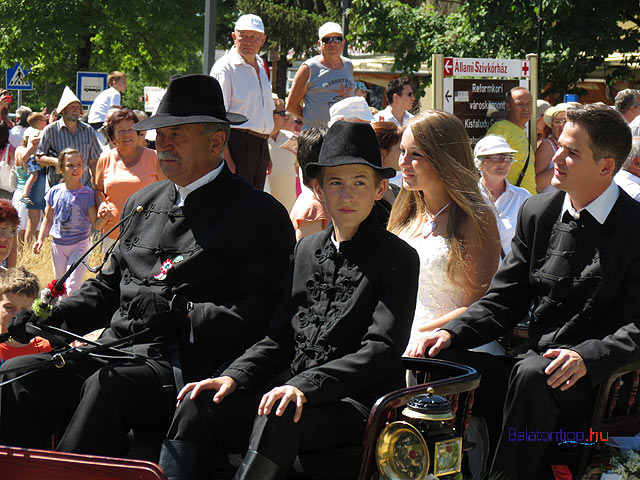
x=18, y=290
x=70, y=213
x=338, y=334
x=308, y=215
x=36, y=123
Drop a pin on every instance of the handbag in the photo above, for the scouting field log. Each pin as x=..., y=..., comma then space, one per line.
x=13, y=177
x=5, y=172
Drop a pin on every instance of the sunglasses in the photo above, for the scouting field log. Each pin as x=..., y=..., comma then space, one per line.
x=282, y=113
x=337, y=39
x=298, y=122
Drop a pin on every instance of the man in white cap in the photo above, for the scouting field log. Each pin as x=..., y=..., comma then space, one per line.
x=322, y=80
x=247, y=91
x=68, y=132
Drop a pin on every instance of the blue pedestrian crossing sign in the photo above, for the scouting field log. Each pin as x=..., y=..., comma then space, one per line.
x=17, y=78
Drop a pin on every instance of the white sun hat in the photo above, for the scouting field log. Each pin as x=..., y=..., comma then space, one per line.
x=67, y=97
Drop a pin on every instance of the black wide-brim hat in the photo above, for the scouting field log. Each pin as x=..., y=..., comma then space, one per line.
x=349, y=143
x=191, y=99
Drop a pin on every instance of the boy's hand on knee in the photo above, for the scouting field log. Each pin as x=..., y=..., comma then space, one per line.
x=566, y=369
x=224, y=386
x=286, y=394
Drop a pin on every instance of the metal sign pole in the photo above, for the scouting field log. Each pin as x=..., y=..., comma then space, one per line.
x=437, y=73
x=209, y=57
x=19, y=104
x=534, y=89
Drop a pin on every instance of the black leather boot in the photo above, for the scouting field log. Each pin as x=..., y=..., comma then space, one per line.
x=178, y=459
x=257, y=467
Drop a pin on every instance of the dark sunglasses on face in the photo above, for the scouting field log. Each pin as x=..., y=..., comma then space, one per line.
x=298, y=122
x=282, y=113
x=326, y=40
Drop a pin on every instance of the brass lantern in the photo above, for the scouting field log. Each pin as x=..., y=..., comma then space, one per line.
x=423, y=443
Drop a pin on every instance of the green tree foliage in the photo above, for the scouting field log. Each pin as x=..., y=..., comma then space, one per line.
x=577, y=34
x=150, y=39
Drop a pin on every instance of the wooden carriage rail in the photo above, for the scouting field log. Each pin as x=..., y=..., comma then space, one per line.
x=463, y=379
x=27, y=464
x=604, y=418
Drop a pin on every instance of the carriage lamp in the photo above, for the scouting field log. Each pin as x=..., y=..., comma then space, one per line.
x=422, y=443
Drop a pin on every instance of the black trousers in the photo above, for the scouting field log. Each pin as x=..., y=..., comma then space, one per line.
x=251, y=156
x=530, y=405
x=94, y=402
x=232, y=426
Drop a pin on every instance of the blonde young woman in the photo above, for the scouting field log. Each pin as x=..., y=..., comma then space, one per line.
x=441, y=213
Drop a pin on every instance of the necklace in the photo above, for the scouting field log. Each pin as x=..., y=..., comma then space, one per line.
x=429, y=227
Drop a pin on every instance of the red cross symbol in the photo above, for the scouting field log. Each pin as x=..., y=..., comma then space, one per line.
x=525, y=69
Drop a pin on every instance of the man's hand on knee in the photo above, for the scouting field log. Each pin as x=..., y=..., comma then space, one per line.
x=286, y=394
x=224, y=386
x=566, y=369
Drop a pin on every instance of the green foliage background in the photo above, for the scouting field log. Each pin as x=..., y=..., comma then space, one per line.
x=577, y=35
x=152, y=39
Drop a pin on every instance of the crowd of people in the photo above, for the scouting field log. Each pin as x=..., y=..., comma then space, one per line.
x=408, y=243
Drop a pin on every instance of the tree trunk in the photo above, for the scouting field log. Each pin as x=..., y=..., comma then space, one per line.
x=84, y=54
x=281, y=78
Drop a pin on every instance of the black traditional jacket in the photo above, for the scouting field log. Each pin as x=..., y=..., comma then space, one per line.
x=344, y=322
x=230, y=247
x=581, y=278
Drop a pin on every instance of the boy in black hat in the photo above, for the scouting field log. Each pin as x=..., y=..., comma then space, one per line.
x=338, y=333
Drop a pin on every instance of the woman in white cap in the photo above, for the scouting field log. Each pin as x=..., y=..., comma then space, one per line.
x=322, y=80
x=493, y=157
x=554, y=117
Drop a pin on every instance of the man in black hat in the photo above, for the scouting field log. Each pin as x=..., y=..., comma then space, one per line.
x=338, y=334
x=196, y=274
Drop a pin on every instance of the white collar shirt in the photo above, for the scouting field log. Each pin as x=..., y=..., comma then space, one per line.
x=386, y=115
x=629, y=182
x=599, y=208
x=243, y=93
x=183, y=192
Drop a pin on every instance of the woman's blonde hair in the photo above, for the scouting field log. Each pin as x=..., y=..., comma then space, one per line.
x=444, y=141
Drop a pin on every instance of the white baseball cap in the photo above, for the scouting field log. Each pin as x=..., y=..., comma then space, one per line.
x=327, y=28
x=490, y=145
x=250, y=22
x=350, y=108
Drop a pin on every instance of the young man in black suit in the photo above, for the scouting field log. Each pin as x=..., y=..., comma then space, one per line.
x=199, y=269
x=576, y=261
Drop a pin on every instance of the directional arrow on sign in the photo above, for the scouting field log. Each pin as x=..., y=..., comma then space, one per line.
x=447, y=96
x=448, y=66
